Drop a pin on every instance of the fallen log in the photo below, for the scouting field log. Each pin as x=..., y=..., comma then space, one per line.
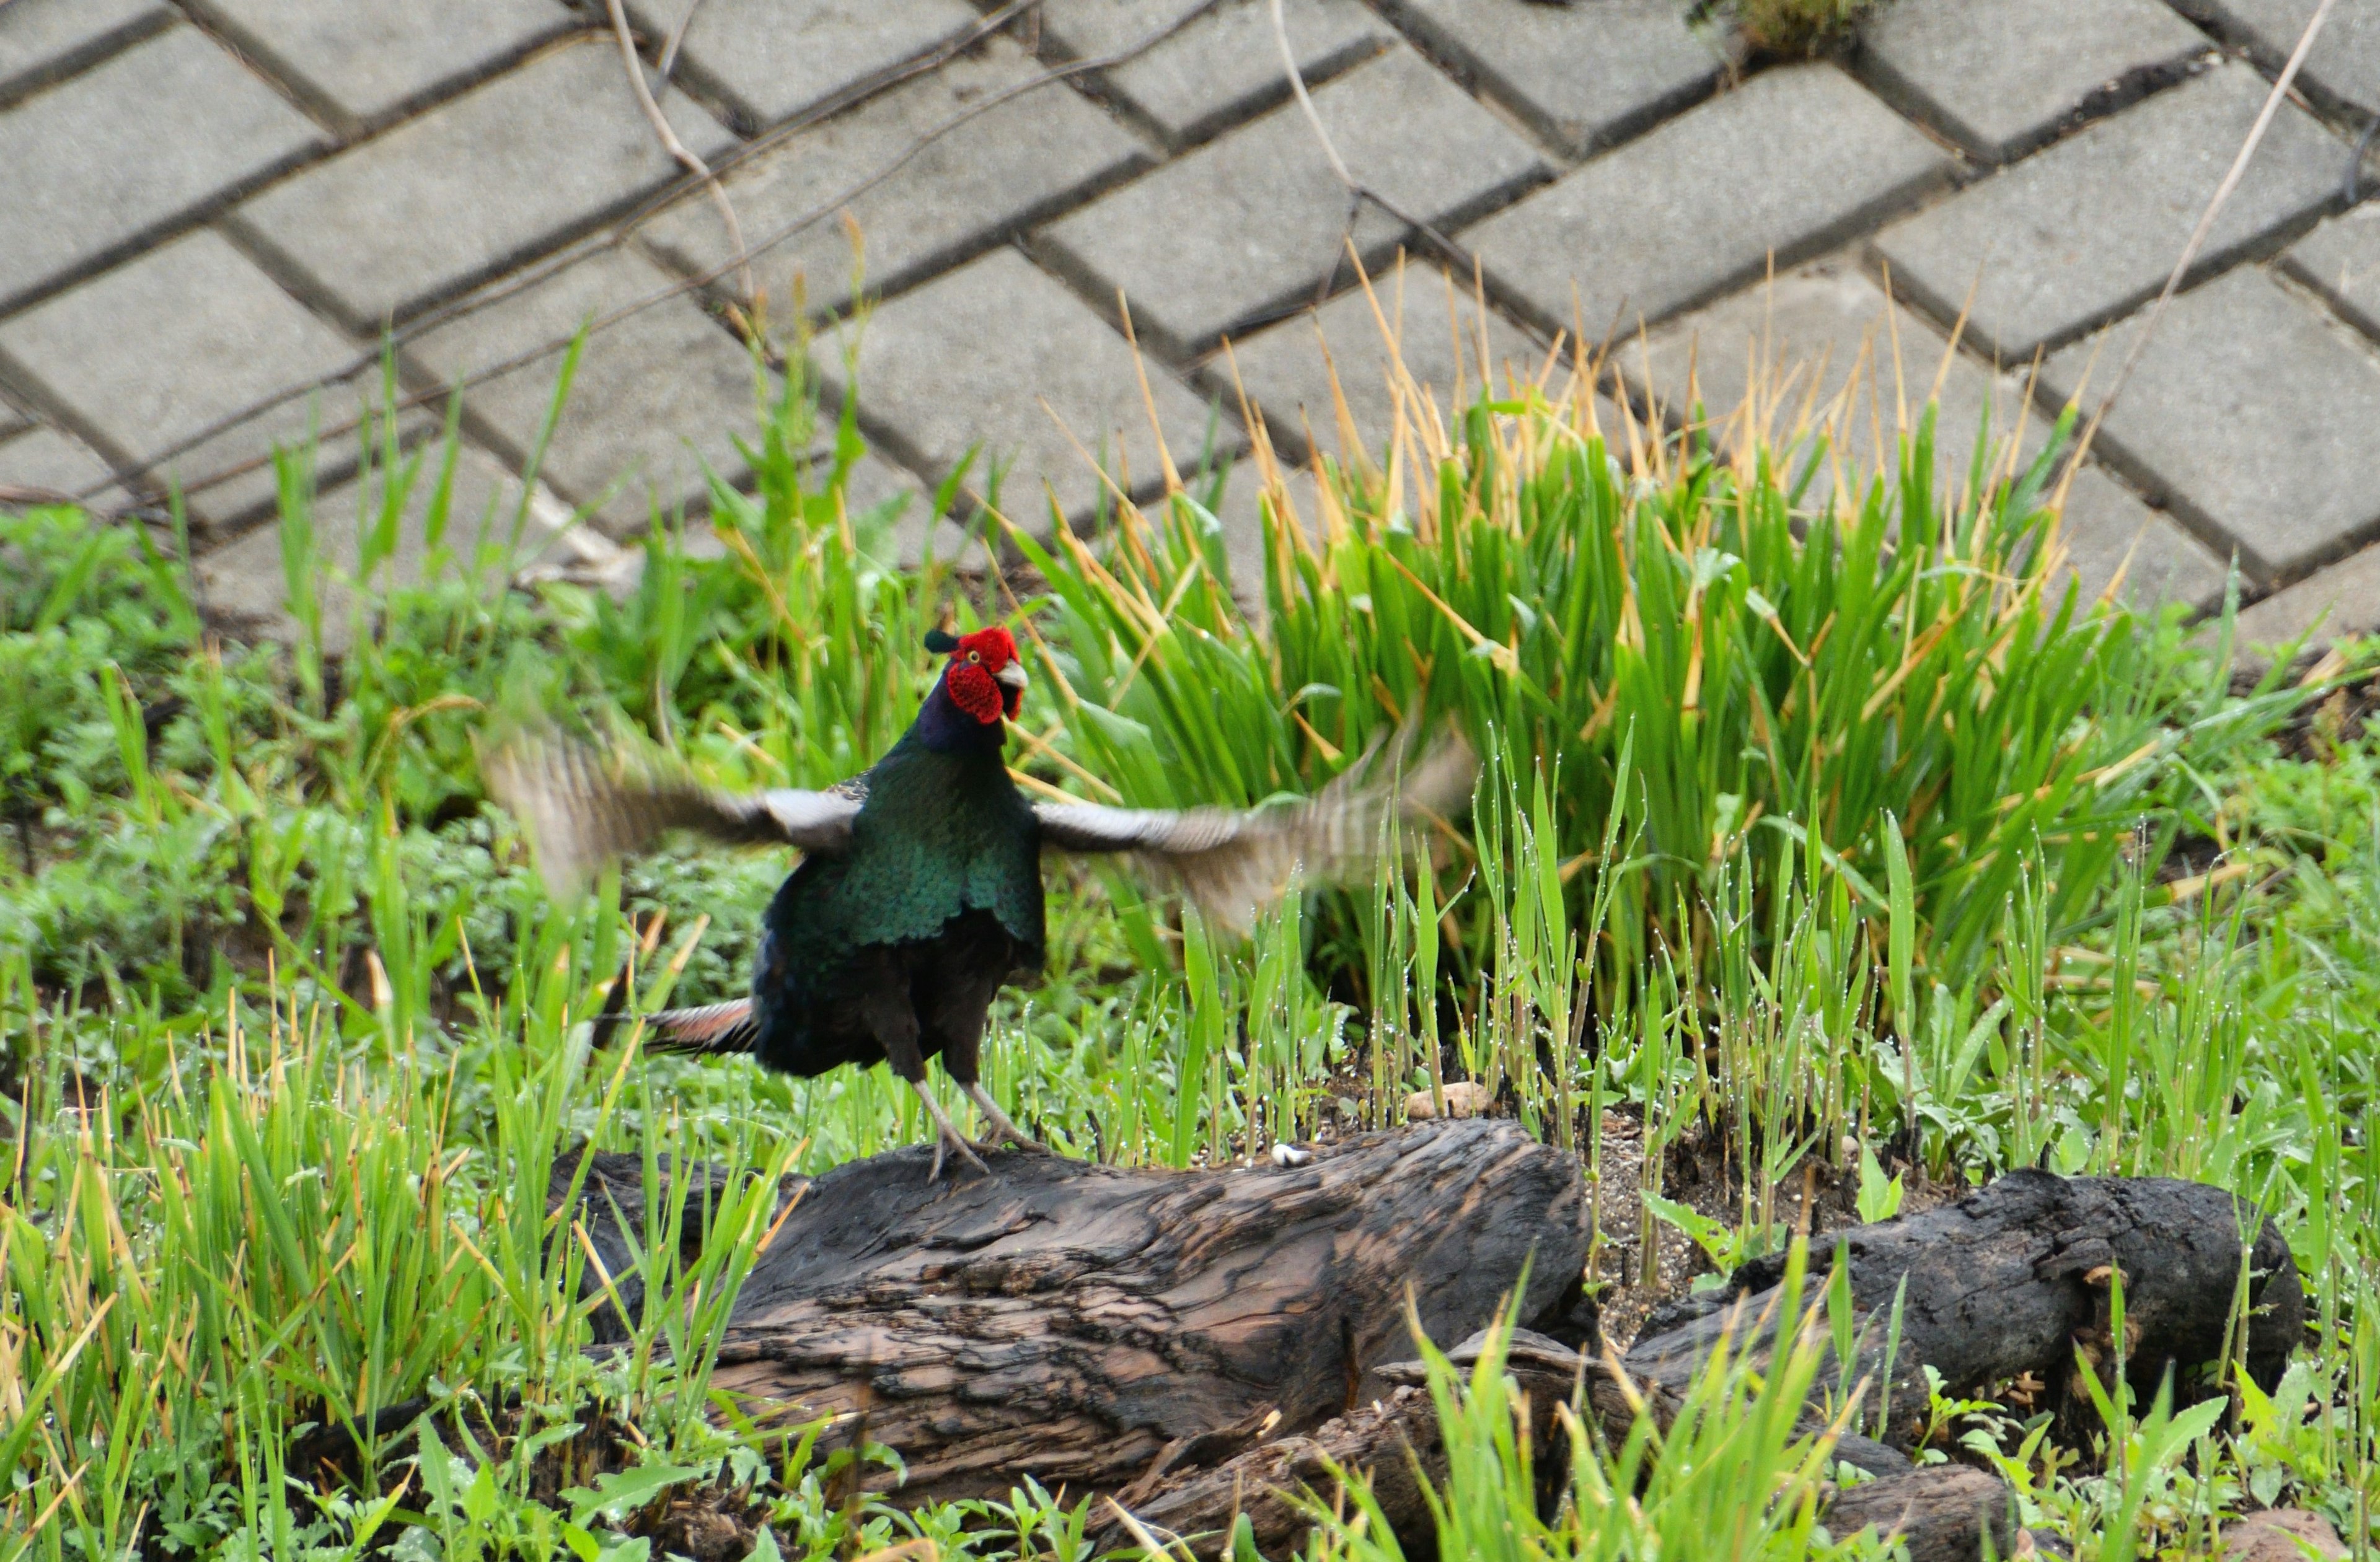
x=2014, y=1279
x=1073, y=1322
x=1204, y=1345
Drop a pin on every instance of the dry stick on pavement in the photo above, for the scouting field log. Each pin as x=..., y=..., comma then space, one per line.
x=685, y=155
x=2198, y=235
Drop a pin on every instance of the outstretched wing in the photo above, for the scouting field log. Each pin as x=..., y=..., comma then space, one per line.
x=1231, y=862
x=580, y=810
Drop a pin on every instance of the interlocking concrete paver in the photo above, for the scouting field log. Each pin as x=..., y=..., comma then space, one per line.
x=2340, y=260
x=1986, y=73
x=655, y=397
x=14, y=420
x=2252, y=416
x=774, y=59
x=1255, y=222
x=246, y=584
x=2090, y=227
x=473, y=187
x=361, y=64
x=41, y=41
x=1583, y=77
x=1004, y=167
x=92, y=166
x=1785, y=165
x=46, y=461
x=1000, y=353
x=1828, y=340
x=2343, y=600
x=129, y=360
x=1437, y=325
x=2343, y=67
x=2107, y=526
x=1223, y=65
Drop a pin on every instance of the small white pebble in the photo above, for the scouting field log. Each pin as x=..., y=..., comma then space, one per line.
x=1291, y=1154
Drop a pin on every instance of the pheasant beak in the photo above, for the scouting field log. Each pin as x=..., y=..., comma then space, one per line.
x=1012, y=678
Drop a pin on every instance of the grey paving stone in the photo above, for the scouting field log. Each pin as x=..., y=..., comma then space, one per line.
x=1254, y=224
x=1825, y=346
x=1583, y=75
x=151, y=352
x=41, y=41
x=1287, y=369
x=1222, y=65
x=773, y=59
x=1999, y=75
x=1785, y=165
x=247, y=587
x=961, y=191
x=2343, y=67
x=362, y=65
x=2090, y=227
x=656, y=396
x=53, y=466
x=94, y=165
x=2340, y=260
x=2109, y=527
x=2251, y=415
x=2342, y=600
x=474, y=187
x=1000, y=353
x=14, y=420
x=1819, y=345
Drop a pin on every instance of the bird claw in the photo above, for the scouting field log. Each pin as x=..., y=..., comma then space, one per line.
x=946, y=1143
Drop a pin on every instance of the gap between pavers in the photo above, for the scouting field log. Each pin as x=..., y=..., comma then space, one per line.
x=46, y=41
x=1256, y=223
x=1222, y=66
x=1788, y=166
x=96, y=166
x=2342, y=70
x=1583, y=77
x=1451, y=352
x=774, y=60
x=1008, y=166
x=2088, y=229
x=128, y=361
x=658, y=397
x=2002, y=78
x=2340, y=260
x=1827, y=353
x=360, y=66
x=2252, y=417
x=479, y=185
x=985, y=356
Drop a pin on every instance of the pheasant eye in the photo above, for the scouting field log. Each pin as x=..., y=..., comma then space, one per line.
x=975, y=656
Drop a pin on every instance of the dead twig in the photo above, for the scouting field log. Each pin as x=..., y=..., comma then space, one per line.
x=686, y=155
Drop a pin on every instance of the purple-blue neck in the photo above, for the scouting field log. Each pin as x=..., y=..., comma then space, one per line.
x=944, y=728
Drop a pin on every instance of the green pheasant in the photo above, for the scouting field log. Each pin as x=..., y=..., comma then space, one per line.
x=918, y=894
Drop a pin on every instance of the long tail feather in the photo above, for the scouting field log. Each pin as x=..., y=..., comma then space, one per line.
x=717, y=1029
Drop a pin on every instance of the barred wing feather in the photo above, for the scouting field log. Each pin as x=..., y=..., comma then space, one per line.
x=580, y=810
x=1233, y=862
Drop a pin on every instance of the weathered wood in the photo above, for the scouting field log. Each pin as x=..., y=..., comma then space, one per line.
x=2013, y=1277
x=1071, y=1321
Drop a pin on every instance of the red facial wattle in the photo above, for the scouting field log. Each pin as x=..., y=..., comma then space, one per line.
x=985, y=679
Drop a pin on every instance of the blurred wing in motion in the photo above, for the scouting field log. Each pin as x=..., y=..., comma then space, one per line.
x=580, y=810
x=1233, y=862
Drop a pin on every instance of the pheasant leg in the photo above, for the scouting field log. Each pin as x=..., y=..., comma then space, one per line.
x=1002, y=1131
x=946, y=1137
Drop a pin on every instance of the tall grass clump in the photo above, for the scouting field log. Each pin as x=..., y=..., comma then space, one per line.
x=1909, y=662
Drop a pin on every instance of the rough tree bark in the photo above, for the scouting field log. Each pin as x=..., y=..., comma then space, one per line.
x=1205, y=1344
x=1071, y=1321
x=2016, y=1276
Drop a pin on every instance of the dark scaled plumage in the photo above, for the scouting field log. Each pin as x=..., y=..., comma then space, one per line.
x=919, y=893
